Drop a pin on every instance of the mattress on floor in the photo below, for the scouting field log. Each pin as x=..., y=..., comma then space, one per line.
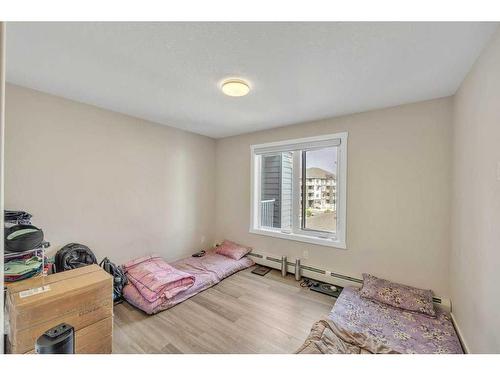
x=377, y=327
x=207, y=270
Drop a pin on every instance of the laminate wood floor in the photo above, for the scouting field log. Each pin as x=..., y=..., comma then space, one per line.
x=244, y=313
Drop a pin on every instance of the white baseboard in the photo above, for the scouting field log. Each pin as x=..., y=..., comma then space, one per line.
x=460, y=334
x=324, y=277
x=321, y=274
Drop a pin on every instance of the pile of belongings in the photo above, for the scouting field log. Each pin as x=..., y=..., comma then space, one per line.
x=22, y=268
x=24, y=254
x=16, y=217
x=20, y=235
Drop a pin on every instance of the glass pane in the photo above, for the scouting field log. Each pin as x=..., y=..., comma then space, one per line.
x=321, y=190
x=276, y=191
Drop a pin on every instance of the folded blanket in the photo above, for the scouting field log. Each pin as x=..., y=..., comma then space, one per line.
x=207, y=270
x=156, y=279
x=20, y=267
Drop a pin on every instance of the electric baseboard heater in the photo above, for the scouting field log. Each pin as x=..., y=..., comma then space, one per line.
x=326, y=276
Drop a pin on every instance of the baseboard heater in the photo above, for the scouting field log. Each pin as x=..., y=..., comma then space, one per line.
x=324, y=275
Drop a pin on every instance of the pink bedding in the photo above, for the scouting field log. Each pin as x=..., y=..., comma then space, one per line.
x=232, y=250
x=155, y=279
x=207, y=271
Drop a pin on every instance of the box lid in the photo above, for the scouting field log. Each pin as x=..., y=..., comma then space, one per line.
x=34, y=291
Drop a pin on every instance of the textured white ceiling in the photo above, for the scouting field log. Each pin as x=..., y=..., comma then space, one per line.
x=170, y=72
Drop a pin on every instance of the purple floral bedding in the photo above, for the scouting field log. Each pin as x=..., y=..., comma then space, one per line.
x=398, y=295
x=379, y=328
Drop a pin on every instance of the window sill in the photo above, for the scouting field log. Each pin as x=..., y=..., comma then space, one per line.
x=301, y=238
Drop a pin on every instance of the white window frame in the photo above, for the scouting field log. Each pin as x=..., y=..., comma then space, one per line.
x=337, y=240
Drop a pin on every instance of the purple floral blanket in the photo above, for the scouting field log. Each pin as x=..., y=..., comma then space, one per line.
x=359, y=325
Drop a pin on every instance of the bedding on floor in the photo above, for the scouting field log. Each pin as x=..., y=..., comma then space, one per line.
x=360, y=325
x=156, y=279
x=206, y=272
x=325, y=339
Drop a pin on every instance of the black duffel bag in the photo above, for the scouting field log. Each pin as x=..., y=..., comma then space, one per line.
x=74, y=255
x=22, y=237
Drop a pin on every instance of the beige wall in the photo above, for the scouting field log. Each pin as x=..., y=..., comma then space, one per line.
x=121, y=185
x=475, y=256
x=398, y=207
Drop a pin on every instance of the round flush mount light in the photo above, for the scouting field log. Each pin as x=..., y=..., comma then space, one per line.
x=235, y=87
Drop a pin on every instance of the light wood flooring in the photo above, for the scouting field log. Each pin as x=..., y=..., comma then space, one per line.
x=244, y=313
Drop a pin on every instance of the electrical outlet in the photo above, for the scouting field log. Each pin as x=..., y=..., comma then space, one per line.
x=305, y=254
x=202, y=240
x=498, y=171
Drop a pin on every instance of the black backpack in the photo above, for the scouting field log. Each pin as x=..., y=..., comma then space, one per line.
x=119, y=278
x=74, y=255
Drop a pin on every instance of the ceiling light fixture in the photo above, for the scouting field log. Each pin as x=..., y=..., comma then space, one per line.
x=235, y=87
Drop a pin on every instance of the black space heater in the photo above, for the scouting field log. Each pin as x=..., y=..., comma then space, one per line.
x=57, y=340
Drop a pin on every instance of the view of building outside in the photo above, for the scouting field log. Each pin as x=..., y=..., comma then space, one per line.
x=321, y=187
x=320, y=211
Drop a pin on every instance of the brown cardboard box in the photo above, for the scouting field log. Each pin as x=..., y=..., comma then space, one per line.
x=96, y=338
x=82, y=298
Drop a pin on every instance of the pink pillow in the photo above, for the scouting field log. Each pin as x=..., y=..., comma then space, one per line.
x=232, y=250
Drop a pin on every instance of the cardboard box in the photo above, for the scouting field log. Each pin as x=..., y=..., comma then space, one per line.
x=81, y=297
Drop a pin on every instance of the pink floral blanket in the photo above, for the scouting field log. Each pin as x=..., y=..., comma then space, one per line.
x=155, y=279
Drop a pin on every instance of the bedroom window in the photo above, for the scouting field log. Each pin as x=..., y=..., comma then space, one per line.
x=299, y=189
